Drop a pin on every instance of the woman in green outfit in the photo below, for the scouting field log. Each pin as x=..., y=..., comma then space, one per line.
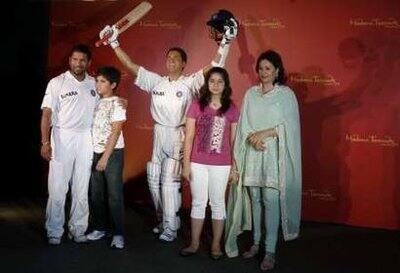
x=268, y=159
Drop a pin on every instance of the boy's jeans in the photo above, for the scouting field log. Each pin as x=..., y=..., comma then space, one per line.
x=106, y=192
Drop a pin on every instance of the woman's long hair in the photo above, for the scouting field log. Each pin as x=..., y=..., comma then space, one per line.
x=275, y=59
x=205, y=93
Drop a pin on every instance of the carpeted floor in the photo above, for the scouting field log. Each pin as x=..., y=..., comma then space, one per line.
x=322, y=248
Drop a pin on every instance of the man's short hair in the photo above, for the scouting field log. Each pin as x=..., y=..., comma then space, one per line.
x=180, y=51
x=82, y=48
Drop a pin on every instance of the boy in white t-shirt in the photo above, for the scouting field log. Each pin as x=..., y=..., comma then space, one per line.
x=106, y=183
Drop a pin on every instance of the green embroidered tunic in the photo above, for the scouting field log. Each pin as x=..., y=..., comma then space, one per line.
x=278, y=166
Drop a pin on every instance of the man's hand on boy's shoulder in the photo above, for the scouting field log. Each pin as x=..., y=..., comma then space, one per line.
x=123, y=102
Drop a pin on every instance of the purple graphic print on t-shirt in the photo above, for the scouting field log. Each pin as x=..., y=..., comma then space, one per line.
x=212, y=142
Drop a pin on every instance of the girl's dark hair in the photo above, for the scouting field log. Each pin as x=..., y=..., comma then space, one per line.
x=274, y=58
x=205, y=94
x=112, y=74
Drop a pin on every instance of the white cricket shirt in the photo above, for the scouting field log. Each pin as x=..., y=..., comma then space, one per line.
x=169, y=99
x=72, y=102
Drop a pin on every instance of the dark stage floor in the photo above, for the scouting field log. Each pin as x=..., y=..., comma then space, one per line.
x=321, y=248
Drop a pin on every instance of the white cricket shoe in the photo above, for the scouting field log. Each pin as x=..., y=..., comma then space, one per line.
x=168, y=235
x=96, y=235
x=54, y=241
x=78, y=238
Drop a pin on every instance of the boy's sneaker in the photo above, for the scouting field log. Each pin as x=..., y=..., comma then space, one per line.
x=168, y=235
x=117, y=242
x=54, y=241
x=78, y=238
x=96, y=235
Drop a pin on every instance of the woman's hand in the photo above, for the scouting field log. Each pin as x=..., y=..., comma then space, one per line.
x=256, y=139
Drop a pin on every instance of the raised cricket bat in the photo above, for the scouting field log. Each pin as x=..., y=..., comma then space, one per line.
x=132, y=17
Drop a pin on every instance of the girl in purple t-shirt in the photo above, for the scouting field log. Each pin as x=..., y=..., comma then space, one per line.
x=210, y=131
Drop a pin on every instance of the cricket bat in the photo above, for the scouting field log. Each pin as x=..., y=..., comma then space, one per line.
x=128, y=20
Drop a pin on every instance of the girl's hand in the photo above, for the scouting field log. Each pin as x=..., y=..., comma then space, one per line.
x=186, y=172
x=233, y=177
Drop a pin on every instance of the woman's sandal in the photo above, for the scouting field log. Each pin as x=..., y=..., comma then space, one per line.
x=187, y=252
x=252, y=252
x=267, y=263
x=216, y=255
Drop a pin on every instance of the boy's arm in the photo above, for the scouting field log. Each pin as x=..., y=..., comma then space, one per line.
x=116, y=128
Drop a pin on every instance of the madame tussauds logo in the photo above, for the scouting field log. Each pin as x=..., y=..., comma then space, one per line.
x=268, y=23
x=315, y=194
x=325, y=80
x=375, y=22
x=161, y=24
x=385, y=140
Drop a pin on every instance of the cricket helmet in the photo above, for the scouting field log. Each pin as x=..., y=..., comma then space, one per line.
x=218, y=24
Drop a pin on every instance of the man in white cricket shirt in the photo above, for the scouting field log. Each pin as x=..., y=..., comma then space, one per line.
x=170, y=97
x=67, y=109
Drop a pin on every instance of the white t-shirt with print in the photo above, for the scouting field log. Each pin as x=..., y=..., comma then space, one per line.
x=72, y=102
x=169, y=99
x=108, y=110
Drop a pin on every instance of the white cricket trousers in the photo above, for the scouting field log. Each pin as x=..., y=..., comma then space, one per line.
x=208, y=182
x=72, y=154
x=164, y=174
